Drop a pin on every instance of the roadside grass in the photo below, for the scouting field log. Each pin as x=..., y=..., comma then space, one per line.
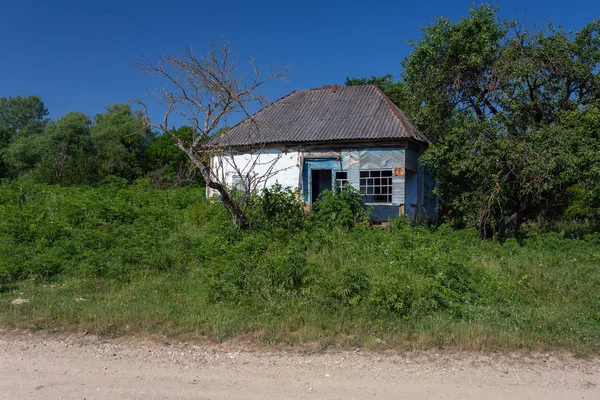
x=119, y=261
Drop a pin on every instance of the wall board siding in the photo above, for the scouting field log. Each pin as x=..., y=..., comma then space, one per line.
x=398, y=192
x=378, y=159
x=351, y=164
x=259, y=163
x=411, y=160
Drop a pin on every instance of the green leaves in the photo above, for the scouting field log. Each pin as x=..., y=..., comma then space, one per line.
x=277, y=208
x=341, y=207
x=448, y=65
x=20, y=115
x=512, y=113
x=169, y=166
x=121, y=139
x=74, y=150
x=69, y=156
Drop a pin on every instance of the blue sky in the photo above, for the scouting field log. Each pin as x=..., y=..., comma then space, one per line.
x=74, y=54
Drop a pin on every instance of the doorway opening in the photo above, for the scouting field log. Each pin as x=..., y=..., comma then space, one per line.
x=321, y=180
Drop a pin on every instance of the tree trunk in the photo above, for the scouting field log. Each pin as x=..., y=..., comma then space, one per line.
x=516, y=219
x=238, y=217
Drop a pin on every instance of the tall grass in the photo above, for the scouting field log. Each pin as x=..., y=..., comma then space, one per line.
x=170, y=262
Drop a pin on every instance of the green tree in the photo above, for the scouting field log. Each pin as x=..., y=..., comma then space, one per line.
x=504, y=106
x=19, y=117
x=397, y=91
x=121, y=138
x=68, y=155
x=169, y=165
x=22, y=155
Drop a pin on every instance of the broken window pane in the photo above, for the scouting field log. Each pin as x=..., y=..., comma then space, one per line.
x=376, y=189
x=341, y=178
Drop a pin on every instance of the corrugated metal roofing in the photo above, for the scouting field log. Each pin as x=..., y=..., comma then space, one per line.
x=326, y=114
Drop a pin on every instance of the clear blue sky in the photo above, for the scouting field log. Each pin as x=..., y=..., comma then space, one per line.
x=74, y=53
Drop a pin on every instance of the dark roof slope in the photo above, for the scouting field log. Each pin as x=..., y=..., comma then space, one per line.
x=325, y=114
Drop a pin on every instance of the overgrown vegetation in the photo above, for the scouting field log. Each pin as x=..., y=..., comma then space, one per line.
x=514, y=117
x=170, y=262
x=343, y=206
x=513, y=113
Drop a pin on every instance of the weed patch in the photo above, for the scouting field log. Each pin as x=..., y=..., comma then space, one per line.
x=170, y=262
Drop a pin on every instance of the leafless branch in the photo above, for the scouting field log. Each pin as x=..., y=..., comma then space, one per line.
x=204, y=90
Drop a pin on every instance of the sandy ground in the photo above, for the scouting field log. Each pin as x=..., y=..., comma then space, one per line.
x=42, y=366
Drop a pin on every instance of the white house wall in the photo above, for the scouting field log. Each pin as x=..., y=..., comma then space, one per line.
x=272, y=164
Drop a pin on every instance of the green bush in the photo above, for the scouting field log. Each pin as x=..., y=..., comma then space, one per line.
x=109, y=231
x=340, y=207
x=350, y=285
x=278, y=208
x=172, y=261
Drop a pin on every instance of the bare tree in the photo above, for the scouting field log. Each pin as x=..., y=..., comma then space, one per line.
x=205, y=90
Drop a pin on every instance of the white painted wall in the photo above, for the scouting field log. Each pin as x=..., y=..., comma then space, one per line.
x=284, y=167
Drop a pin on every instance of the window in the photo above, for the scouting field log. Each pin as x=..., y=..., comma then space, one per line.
x=341, y=179
x=376, y=186
x=241, y=182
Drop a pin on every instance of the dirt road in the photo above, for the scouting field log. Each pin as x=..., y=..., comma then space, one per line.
x=84, y=367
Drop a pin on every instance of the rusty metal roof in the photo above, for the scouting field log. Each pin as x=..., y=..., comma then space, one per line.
x=326, y=114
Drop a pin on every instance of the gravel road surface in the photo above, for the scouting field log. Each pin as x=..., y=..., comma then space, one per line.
x=43, y=366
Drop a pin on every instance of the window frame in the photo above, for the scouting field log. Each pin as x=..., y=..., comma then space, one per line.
x=375, y=175
x=340, y=182
x=237, y=181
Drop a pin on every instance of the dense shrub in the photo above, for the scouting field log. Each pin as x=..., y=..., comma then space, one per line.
x=350, y=285
x=340, y=207
x=278, y=208
x=46, y=231
x=328, y=276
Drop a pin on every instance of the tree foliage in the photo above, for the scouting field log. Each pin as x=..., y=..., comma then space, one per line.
x=169, y=165
x=513, y=113
x=67, y=156
x=76, y=150
x=19, y=117
x=121, y=138
x=344, y=206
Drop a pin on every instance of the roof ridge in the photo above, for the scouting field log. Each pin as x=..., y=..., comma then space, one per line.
x=333, y=88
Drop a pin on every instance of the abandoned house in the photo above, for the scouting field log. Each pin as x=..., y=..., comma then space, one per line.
x=319, y=139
